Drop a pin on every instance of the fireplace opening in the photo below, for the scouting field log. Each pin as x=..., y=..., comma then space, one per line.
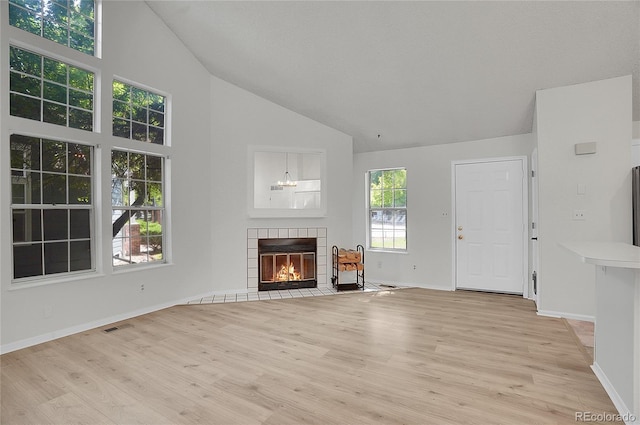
x=287, y=263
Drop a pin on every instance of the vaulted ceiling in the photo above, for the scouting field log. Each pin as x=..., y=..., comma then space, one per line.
x=396, y=74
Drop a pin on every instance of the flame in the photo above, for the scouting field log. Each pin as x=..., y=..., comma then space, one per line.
x=288, y=273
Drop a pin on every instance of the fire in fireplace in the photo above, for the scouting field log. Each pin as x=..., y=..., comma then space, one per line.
x=287, y=263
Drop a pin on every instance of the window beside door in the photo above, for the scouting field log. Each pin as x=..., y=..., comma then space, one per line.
x=387, y=209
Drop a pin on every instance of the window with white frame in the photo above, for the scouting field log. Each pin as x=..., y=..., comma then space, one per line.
x=51, y=206
x=387, y=212
x=67, y=22
x=51, y=91
x=137, y=207
x=138, y=114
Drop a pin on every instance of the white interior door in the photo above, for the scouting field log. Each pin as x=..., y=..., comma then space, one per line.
x=490, y=231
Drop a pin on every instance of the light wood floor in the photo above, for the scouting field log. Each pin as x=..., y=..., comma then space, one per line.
x=409, y=356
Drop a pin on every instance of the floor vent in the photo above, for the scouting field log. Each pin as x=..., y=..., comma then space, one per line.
x=115, y=328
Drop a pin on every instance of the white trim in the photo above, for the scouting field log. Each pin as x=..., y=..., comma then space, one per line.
x=629, y=417
x=406, y=284
x=525, y=215
x=561, y=314
x=60, y=333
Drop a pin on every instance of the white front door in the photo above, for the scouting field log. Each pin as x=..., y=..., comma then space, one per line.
x=490, y=231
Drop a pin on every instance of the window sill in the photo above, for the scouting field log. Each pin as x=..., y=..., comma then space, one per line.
x=17, y=285
x=139, y=267
x=387, y=251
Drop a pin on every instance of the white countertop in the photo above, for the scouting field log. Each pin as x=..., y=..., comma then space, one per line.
x=611, y=254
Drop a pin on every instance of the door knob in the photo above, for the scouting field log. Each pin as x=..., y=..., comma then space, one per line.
x=459, y=227
x=460, y=237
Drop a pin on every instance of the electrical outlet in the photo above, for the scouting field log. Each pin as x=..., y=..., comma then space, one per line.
x=379, y=264
x=414, y=267
x=579, y=215
x=141, y=287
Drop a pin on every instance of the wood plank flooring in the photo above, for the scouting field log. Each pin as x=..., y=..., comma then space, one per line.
x=408, y=356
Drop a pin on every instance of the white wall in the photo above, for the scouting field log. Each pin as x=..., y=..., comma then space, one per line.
x=240, y=119
x=140, y=48
x=594, y=112
x=429, y=235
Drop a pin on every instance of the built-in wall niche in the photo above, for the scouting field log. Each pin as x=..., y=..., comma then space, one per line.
x=287, y=182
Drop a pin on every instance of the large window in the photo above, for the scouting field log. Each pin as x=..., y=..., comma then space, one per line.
x=138, y=114
x=49, y=90
x=388, y=209
x=67, y=22
x=51, y=206
x=137, y=207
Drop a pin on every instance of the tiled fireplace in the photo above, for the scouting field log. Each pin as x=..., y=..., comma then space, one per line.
x=286, y=258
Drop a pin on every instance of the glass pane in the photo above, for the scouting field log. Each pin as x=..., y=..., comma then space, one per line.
x=387, y=179
x=156, y=102
x=81, y=24
x=119, y=222
x=400, y=198
x=80, y=119
x=155, y=194
x=156, y=135
x=121, y=128
x=54, y=113
x=80, y=224
x=18, y=191
x=32, y=188
x=86, y=7
x=55, y=13
x=119, y=192
x=374, y=179
x=151, y=230
x=119, y=164
x=25, y=84
x=56, y=257
x=27, y=260
x=138, y=193
x=54, y=156
x=56, y=225
x=24, y=20
x=55, y=71
x=400, y=179
x=121, y=91
x=156, y=119
x=139, y=132
x=80, y=255
x=387, y=198
x=79, y=190
x=139, y=114
x=26, y=62
x=80, y=79
x=375, y=198
x=139, y=97
x=27, y=226
x=120, y=251
x=54, y=189
x=154, y=168
x=25, y=107
x=54, y=32
x=55, y=92
x=81, y=99
x=375, y=223
x=121, y=109
x=25, y=152
x=79, y=159
x=400, y=239
x=137, y=165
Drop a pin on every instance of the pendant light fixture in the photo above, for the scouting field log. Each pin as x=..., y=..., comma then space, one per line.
x=287, y=181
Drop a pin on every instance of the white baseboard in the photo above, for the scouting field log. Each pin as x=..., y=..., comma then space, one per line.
x=629, y=417
x=60, y=333
x=564, y=315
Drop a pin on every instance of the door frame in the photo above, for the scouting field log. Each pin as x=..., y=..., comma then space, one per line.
x=525, y=216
